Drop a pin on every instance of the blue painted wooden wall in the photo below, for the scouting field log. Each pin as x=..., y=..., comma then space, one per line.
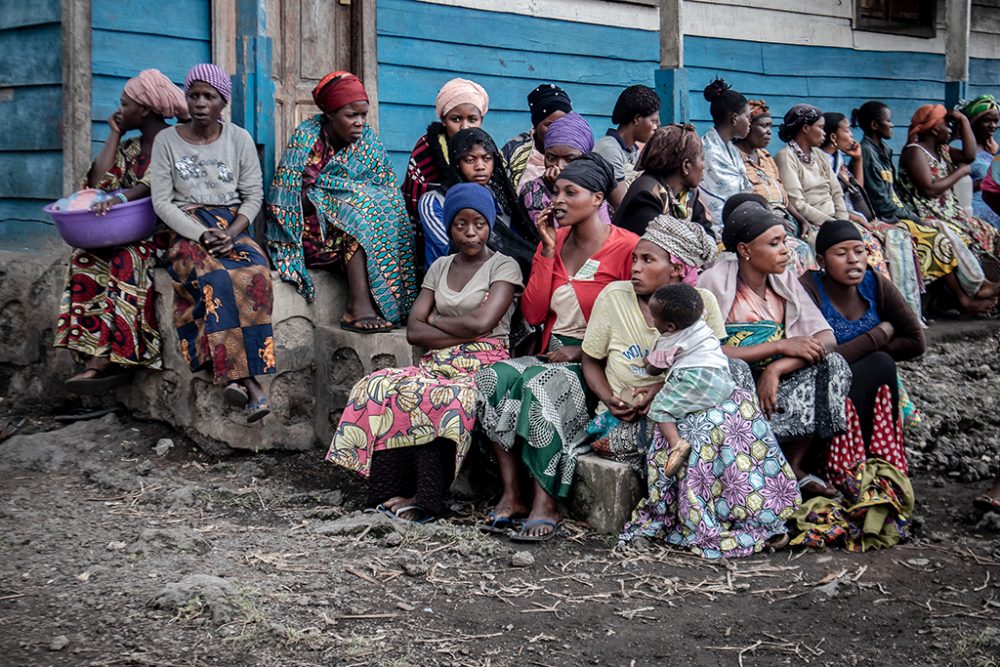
x=30, y=115
x=133, y=35
x=422, y=45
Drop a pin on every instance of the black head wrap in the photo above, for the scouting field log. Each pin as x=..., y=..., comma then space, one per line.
x=738, y=200
x=591, y=172
x=463, y=141
x=833, y=232
x=545, y=100
x=746, y=223
x=500, y=184
x=796, y=118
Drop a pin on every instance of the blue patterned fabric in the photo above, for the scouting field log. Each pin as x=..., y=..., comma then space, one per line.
x=843, y=328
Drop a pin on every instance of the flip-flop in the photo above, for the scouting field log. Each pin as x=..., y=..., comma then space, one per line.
x=9, y=428
x=83, y=414
x=497, y=525
x=257, y=410
x=813, y=479
x=106, y=379
x=522, y=535
x=677, y=458
x=777, y=542
x=348, y=324
x=235, y=395
x=986, y=503
x=424, y=515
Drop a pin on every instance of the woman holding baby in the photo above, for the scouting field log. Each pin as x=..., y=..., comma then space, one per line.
x=731, y=494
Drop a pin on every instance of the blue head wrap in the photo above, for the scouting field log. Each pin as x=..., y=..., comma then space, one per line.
x=469, y=195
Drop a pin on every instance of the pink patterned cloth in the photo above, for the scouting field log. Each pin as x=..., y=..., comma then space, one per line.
x=154, y=90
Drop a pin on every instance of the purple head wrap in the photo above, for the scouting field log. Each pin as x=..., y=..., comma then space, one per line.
x=211, y=74
x=570, y=130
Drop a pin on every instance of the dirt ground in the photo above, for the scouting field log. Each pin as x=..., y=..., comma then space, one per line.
x=124, y=545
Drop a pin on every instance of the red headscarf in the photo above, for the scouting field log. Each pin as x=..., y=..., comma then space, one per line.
x=338, y=89
x=925, y=118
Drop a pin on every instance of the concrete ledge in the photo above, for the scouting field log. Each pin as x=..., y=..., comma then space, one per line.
x=341, y=359
x=194, y=405
x=604, y=493
x=30, y=289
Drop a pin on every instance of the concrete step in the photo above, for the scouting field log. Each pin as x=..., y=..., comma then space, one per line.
x=604, y=493
x=191, y=402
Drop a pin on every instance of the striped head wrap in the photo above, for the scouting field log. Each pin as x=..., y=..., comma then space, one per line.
x=213, y=75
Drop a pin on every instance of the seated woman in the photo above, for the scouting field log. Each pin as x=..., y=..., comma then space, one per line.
x=460, y=104
x=566, y=139
x=672, y=166
x=940, y=251
x=334, y=205
x=523, y=154
x=474, y=159
x=107, y=317
x=712, y=508
x=984, y=117
x=809, y=180
x=206, y=186
x=773, y=325
x=637, y=115
x=839, y=144
x=534, y=411
x=874, y=329
x=725, y=174
x=927, y=174
x=408, y=429
x=765, y=180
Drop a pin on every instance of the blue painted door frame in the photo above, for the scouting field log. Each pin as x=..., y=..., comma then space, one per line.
x=253, y=89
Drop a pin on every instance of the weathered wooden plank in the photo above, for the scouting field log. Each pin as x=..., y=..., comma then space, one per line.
x=125, y=54
x=510, y=63
x=76, y=78
x=31, y=174
x=984, y=72
x=35, y=12
x=190, y=19
x=829, y=61
x=23, y=219
x=405, y=85
x=31, y=119
x=449, y=25
x=30, y=56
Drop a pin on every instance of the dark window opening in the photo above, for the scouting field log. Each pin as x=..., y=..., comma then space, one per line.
x=899, y=17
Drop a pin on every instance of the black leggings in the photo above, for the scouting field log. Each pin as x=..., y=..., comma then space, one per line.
x=425, y=472
x=869, y=373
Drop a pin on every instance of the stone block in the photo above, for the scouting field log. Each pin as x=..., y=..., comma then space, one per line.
x=194, y=405
x=604, y=493
x=344, y=357
x=30, y=290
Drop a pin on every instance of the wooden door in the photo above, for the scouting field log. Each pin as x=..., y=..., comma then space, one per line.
x=311, y=39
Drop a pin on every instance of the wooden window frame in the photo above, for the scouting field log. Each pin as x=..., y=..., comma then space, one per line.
x=867, y=24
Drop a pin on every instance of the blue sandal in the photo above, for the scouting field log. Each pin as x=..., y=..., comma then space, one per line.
x=257, y=410
x=498, y=525
x=522, y=535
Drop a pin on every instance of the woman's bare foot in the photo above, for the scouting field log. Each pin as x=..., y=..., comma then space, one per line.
x=396, y=503
x=976, y=305
x=509, y=507
x=989, y=290
x=544, y=514
x=94, y=369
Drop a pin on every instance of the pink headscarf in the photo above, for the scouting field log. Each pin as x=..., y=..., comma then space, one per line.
x=461, y=91
x=154, y=90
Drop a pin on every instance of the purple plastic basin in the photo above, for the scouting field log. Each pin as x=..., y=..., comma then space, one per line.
x=123, y=224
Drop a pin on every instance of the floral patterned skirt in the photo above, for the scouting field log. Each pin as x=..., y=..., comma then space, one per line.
x=107, y=307
x=413, y=406
x=222, y=305
x=735, y=492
